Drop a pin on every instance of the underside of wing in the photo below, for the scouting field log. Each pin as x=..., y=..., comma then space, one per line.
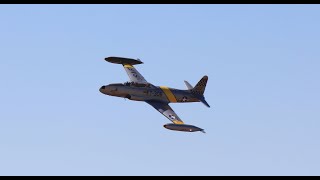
x=166, y=110
x=128, y=63
x=134, y=75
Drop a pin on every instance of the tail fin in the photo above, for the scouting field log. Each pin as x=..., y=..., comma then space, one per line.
x=199, y=89
x=201, y=86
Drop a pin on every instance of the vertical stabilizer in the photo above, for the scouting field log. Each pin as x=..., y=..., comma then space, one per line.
x=199, y=89
x=201, y=86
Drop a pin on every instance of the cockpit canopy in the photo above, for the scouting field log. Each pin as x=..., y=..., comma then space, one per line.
x=134, y=84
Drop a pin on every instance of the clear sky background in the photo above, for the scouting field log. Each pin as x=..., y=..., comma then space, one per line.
x=263, y=63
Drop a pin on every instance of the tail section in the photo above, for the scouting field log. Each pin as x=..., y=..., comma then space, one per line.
x=189, y=86
x=199, y=89
x=201, y=86
x=201, y=99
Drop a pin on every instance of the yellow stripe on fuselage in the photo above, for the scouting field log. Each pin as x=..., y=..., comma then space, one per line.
x=128, y=66
x=168, y=93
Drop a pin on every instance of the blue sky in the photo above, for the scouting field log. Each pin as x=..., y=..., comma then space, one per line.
x=263, y=67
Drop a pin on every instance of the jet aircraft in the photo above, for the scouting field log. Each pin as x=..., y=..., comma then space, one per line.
x=159, y=97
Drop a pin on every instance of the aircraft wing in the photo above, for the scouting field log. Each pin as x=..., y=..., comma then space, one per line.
x=128, y=63
x=134, y=75
x=166, y=110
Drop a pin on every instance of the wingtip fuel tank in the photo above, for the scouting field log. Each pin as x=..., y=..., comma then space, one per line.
x=182, y=127
x=121, y=60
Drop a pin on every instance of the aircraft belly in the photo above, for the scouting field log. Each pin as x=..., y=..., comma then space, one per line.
x=162, y=94
x=146, y=94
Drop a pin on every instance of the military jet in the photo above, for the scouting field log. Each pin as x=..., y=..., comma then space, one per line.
x=159, y=97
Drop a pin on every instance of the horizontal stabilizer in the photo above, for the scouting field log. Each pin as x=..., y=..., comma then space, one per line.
x=189, y=86
x=121, y=60
x=205, y=102
x=201, y=99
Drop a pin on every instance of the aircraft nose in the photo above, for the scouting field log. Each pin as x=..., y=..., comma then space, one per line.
x=109, y=89
x=102, y=88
